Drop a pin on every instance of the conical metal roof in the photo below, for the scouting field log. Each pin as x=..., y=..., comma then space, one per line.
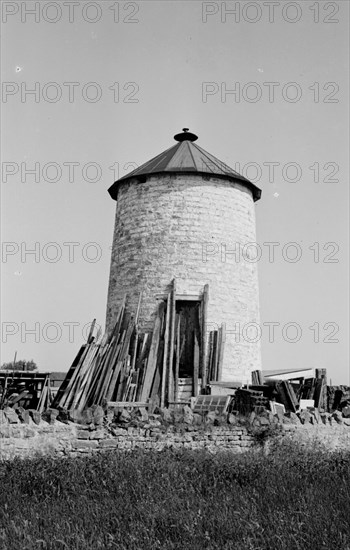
x=186, y=158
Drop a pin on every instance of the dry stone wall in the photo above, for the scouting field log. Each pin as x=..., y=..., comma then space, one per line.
x=72, y=440
x=156, y=432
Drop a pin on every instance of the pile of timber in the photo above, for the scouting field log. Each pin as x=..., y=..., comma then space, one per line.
x=29, y=390
x=338, y=397
x=290, y=392
x=108, y=368
x=127, y=366
x=287, y=395
x=257, y=378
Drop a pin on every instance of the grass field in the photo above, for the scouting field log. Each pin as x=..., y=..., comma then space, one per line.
x=290, y=499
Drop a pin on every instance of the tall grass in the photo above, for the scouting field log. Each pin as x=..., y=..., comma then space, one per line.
x=288, y=500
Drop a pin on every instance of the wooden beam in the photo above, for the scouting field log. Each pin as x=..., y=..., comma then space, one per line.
x=136, y=335
x=195, y=365
x=122, y=404
x=181, y=297
x=141, y=362
x=214, y=356
x=165, y=355
x=138, y=308
x=221, y=351
x=203, y=355
x=209, y=360
x=157, y=377
x=171, y=341
x=41, y=403
x=152, y=357
x=177, y=363
x=90, y=337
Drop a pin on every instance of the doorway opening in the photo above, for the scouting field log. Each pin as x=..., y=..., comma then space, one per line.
x=187, y=336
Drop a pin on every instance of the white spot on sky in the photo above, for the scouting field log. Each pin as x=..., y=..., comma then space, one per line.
x=276, y=195
x=261, y=70
x=18, y=273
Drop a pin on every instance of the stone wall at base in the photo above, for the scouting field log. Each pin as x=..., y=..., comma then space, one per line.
x=69, y=439
x=73, y=440
x=331, y=437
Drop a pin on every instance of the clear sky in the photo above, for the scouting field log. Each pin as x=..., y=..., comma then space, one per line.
x=264, y=88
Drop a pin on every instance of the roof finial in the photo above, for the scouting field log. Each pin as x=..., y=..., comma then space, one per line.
x=186, y=136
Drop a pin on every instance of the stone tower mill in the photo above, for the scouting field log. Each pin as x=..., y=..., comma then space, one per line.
x=185, y=216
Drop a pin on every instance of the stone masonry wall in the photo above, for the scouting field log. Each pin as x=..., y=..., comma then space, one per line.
x=195, y=230
x=70, y=439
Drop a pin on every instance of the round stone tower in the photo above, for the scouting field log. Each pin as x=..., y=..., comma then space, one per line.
x=187, y=216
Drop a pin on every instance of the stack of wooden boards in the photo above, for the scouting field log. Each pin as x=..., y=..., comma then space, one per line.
x=27, y=389
x=316, y=389
x=290, y=392
x=107, y=368
x=215, y=353
x=337, y=397
x=286, y=395
x=45, y=395
x=127, y=366
x=257, y=378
